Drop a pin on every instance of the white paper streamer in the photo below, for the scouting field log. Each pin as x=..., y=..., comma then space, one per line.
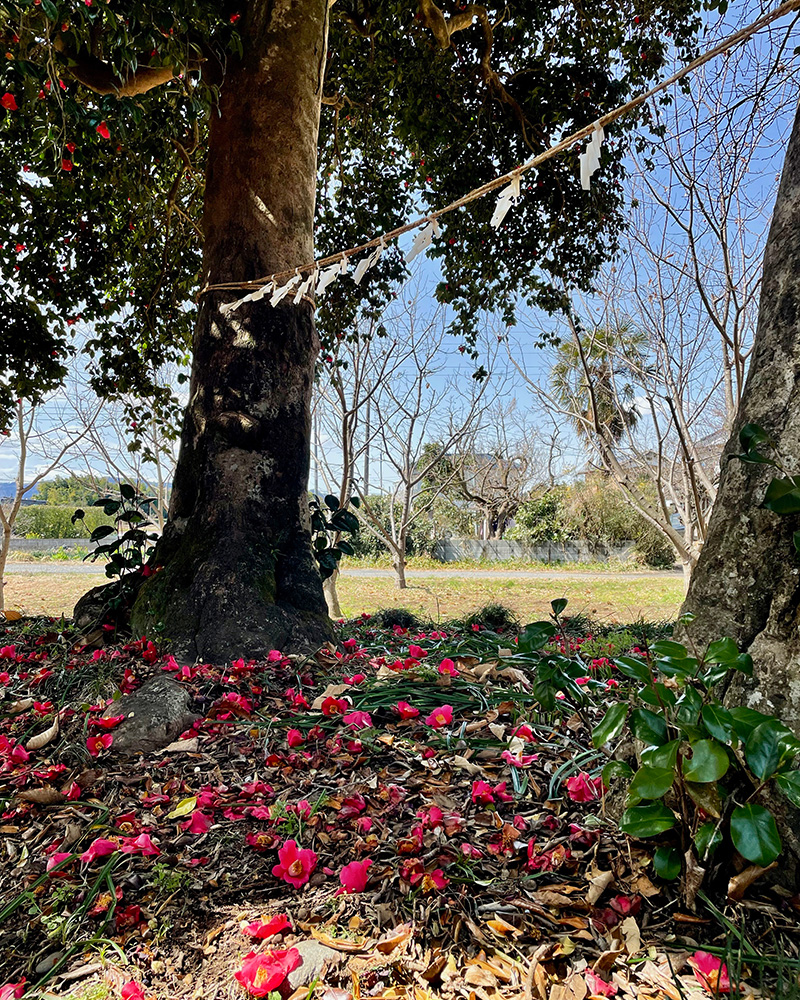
x=423, y=240
x=590, y=157
x=280, y=293
x=301, y=291
x=367, y=262
x=508, y=196
x=259, y=293
x=327, y=276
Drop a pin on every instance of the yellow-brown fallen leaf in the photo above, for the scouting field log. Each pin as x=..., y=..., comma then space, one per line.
x=598, y=885
x=503, y=927
x=396, y=937
x=476, y=975
x=739, y=884
x=43, y=738
x=47, y=796
x=339, y=944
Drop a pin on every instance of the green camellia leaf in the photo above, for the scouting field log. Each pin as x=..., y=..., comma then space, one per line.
x=718, y=722
x=707, y=839
x=789, y=784
x=764, y=748
x=745, y=721
x=636, y=669
x=648, y=727
x=709, y=761
x=613, y=721
x=721, y=651
x=667, y=863
x=647, y=821
x=665, y=756
x=689, y=707
x=755, y=835
x=616, y=769
x=650, y=783
x=666, y=647
x=559, y=605
x=706, y=796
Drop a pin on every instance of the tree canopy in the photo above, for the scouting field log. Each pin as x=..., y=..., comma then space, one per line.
x=105, y=111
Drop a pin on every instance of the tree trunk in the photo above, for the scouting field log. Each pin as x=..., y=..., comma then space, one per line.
x=746, y=584
x=332, y=595
x=237, y=575
x=399, y=564
x=5, y=545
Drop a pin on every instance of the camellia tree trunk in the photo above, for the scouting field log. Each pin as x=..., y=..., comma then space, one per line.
x=235, y=575
x=747, y=581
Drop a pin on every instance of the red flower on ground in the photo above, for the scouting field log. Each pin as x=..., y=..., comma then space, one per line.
x=11, y=991
x=599, y=987
x=102, y=129
x=9, y=102
x=97, y=743
x=354, y=876
x=482, y=793
x=132, y=991
x=57, y=858
x=261, y=974
x=258, y=929
x=583, y=788
x=108, y=723
x=198, y=822
x=98, y=849
x=295, y=865
x=406, y=711
x=294, y=738
x=416, y=652
x=140, y=845
x=711, y=972
x=334, y=706
x=358, y=720
x=448, y=667
x=439, y=717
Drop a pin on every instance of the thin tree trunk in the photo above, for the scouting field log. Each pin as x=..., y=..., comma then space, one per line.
x=746, y=584
x=5, y=545
x=399, y=564
x=332, y=595
x=237, y=575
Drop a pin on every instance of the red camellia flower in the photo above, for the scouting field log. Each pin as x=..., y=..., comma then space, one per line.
x=11, y=991
x=416, y=652
x=711, y=972
x=294, y=737
x=354, y=876
x=66, y=164
x=108, y=723
x=295, y=865
x=261, y=974
x=599, y=987
x=583, y=788
x=482, y=793
x=132, y=991
x=448, y=667
x=358, y=720
x=102, y=129
x=9, y=102
x=440, y=717
x=258, y=929
x=334, y=706
x=99, y=849
x=198, y=822
x=97, y=743
x=406, y=711
x=140, y=845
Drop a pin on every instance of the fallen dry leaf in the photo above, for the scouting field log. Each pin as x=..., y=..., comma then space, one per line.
x=739, y=884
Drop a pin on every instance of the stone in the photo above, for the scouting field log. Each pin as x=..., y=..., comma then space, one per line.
x=315, y=957
x=155, y=715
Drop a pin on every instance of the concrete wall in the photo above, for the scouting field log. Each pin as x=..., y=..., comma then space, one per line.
x=453, y=549
x=48, y=544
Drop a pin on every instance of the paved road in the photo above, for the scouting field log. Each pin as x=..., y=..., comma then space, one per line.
x=451, y=574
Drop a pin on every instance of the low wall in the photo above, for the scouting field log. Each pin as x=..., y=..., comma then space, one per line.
x=48, y=544
x=454, y=549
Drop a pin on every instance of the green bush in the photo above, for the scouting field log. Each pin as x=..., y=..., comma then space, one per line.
x=54, y=521
x=542, y=519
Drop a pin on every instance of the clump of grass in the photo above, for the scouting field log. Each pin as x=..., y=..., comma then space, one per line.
x=400, y=617
x=494, y=616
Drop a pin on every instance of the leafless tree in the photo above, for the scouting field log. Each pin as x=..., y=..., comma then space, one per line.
x=674, y=318
x=36, y=433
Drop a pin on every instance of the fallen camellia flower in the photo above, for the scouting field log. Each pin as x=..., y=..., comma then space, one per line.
x=11, y=991
x=258, y=929
x=261, y=974
x=598, y=987
x=132, y=991
x=354, y=876
x=98, y=849
x=440, y=717
x=711, y=972
x=95, y=744
x=295, y=865
x=583, y=788
x=139, y=845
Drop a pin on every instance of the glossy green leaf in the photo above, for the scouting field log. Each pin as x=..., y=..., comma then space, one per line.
x=689, y=707
x=764, y=748
x=636, y=669
x=559, y=605
x=648, y=727
x=707, y=839
x=650, y=783
x=667, y=863
x=612, y=723
x=755, y=835
x=663, y=756
x=721, y=651
x=647, y=821
x=709, y=761
x=666, y=647
x=718, y=721
x=789, y=784
x=616, y=769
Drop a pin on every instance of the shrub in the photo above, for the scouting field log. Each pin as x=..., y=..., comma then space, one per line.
x=542, y=519
x=54, y=521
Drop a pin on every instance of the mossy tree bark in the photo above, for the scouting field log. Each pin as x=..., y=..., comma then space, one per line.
x=237, y=575
x=747, y=581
